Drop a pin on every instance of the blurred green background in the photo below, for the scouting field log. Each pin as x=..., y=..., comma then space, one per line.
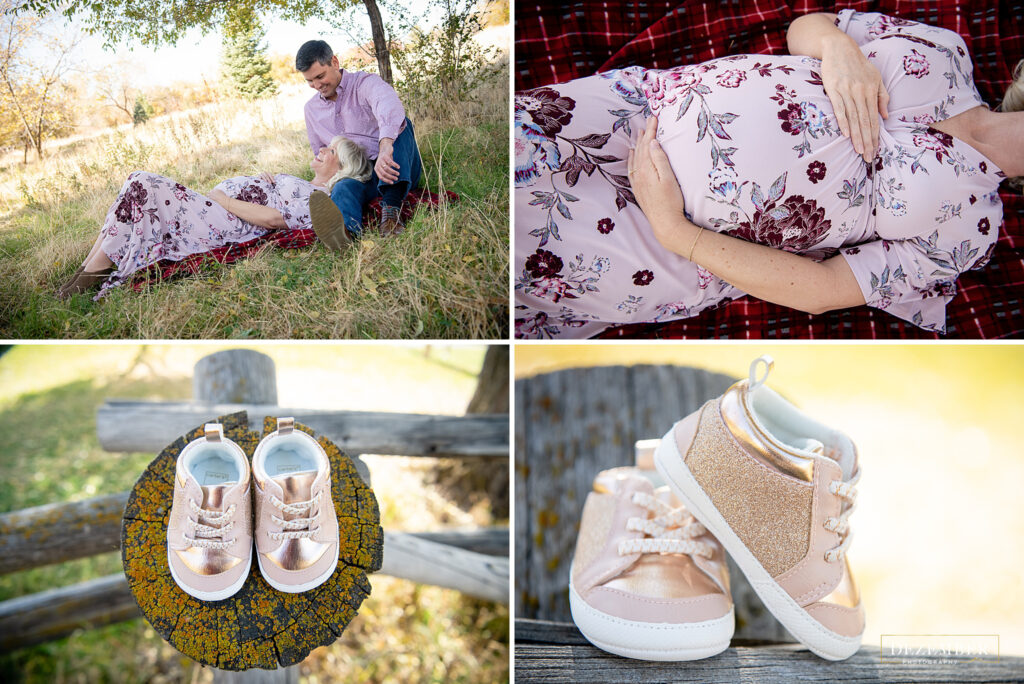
x=938, y=525
x=49, y=395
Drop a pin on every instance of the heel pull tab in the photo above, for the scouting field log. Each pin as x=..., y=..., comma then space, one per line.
x=768, y=362
x=214, y=432
x=285, y=425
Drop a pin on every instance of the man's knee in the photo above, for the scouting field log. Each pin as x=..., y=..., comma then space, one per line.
x=347, y=188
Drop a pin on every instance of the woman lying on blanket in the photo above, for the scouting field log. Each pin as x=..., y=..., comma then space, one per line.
x=155, y=218
x=862, y=168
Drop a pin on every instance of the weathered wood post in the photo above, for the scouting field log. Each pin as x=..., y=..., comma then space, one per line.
x=235, y=376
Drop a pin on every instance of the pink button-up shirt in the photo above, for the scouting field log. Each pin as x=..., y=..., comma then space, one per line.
x=366, y=110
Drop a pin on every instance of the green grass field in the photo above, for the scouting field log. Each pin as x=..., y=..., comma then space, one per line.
x=444, y=277
x=404, y=632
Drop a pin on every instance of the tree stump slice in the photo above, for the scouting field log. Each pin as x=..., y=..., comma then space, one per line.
x=259, y=627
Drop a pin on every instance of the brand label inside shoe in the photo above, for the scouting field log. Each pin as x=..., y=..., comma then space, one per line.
x=288, y=468
x=213, y=477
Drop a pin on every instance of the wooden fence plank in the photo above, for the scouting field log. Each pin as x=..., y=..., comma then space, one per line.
x=150, y=426
x=55, y=613
x=557, y=652
x=59, y=532
x=427, y=562
x=55, y=533
x=492, y=541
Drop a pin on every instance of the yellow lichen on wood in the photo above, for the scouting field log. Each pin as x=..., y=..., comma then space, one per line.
x=259, y=626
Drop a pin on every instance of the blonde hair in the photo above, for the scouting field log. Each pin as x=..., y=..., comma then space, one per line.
x=352, y=161
x=1013, y=101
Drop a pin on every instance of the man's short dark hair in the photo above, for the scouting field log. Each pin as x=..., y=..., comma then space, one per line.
x=313, y=51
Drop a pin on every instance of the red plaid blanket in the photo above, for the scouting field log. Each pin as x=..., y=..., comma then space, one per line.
x=286, y=239
x=557, y=42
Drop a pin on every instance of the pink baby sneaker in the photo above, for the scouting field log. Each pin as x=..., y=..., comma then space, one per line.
x=647, y=580
x=209, y=534
x=777, y=489
x=296, y=526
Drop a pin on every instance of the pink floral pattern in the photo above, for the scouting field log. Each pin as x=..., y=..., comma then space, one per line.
x=155, y=218
x=732, y=78
x=915, y=64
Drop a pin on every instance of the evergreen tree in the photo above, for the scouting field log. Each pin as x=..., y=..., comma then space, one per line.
x=245, y=63
x=143, y=110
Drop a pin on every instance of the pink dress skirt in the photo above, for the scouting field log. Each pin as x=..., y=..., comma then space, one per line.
x=156, y=218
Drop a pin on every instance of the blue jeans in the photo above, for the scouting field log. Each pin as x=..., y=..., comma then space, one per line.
x=352, y=196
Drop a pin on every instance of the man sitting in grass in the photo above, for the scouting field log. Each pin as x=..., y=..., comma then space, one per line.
x=364, y=108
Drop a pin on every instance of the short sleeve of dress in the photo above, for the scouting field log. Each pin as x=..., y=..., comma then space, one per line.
x=915, y=278
x=926, y=70
x=865, y=27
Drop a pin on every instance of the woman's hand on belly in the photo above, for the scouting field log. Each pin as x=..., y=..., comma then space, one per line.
x=656, y=188
x=763, y=272
x=852, y=83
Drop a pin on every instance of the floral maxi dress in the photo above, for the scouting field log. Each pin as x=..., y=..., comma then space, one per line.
x=156, y=218
x=758, y=154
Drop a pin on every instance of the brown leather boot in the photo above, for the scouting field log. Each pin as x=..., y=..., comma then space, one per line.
x=391, y=227
x=84, y=281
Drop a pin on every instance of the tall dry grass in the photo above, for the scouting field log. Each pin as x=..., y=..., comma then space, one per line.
x=445, y=277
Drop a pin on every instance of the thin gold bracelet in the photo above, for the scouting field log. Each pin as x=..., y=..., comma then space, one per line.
x=694, y=245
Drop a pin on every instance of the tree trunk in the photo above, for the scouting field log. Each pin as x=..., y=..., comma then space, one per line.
x=380, y=41
x=491, y=395
x=465, y=481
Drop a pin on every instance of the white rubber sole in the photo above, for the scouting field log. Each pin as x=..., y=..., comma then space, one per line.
x=299, y=588
x=651, y=640
x=821, y=641
x=211, y=595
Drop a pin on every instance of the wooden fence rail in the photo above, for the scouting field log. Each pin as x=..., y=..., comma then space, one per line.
x=60, y=532
x=150, y=426
x=437, y=558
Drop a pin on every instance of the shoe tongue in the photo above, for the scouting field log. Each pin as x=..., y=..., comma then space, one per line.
x=213, y=495
x=810, y=444
x=296, y=486
x=622, y=480
x=665, y=495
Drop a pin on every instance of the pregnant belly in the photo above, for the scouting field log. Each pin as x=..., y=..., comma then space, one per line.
x=754, y=144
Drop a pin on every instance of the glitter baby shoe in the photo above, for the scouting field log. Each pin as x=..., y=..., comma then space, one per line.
x=777, y=489
x=647, y=581
x=209, y=533
x=296, y=526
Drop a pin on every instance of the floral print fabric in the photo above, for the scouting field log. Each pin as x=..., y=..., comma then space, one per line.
x=755, y=146
x=155, y=218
